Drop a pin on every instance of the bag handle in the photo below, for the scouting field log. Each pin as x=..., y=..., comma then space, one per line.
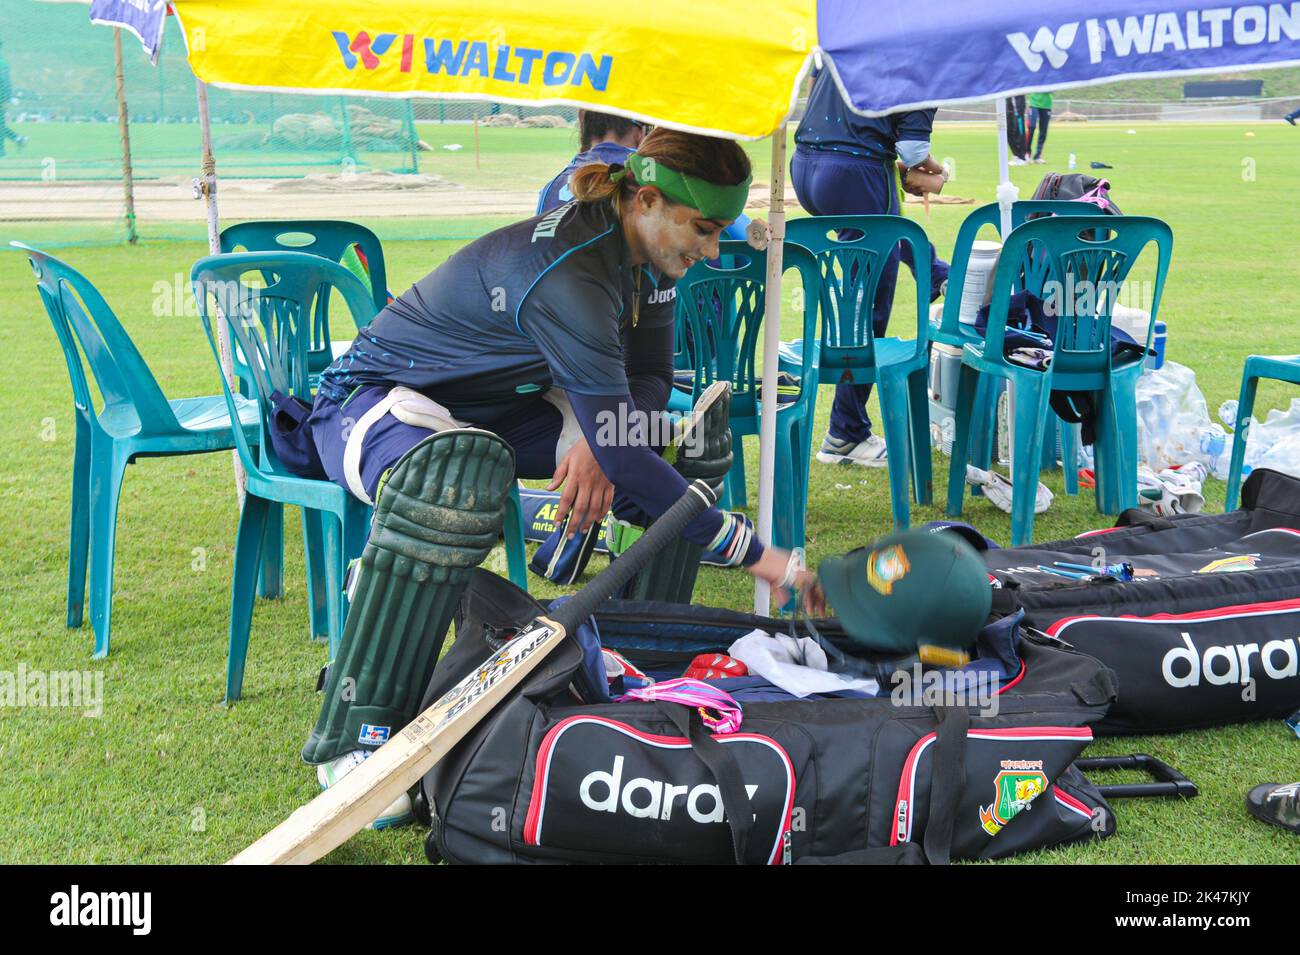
x=725, y=770
x=947, y=782
x=1136, y=517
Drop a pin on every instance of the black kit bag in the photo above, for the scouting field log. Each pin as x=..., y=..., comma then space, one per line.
x=549, y=778
x=1208, y=631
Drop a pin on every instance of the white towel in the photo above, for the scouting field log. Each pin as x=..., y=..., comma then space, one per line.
x=796, y=666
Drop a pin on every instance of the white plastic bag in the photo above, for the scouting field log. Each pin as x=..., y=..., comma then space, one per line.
x=1274, y=442
x=1173, y=421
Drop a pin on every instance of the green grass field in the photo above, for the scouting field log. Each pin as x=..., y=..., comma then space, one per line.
x=169, y=774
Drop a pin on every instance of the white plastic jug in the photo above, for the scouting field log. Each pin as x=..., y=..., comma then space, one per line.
x=979, y=270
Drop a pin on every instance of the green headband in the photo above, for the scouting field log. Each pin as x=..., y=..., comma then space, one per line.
x=713, y=201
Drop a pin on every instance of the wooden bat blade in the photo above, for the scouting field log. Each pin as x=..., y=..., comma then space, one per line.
x=353, y=802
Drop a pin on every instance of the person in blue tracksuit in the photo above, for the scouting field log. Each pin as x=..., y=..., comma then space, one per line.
x=547, y=330
x=845, y=164
x=610, y=140
x=1292, y=117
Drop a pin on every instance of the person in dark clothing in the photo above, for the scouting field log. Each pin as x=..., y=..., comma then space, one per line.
x=1017, y=127
x=545, y=329
x=846, y=164
x=1040, y=115
x=602, y=138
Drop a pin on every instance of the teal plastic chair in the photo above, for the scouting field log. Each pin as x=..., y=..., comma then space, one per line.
x=330, y=239
x=949, y=330
x=848, y=272
x=136, y=421
x=271, y=326
x=723, y=306
x=1092, y=256
x=1274, y=367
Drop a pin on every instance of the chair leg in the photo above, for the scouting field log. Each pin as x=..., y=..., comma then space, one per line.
x=1115, y=452
x=984, y=435
x=1070, y=456
x=787, y=506
x=107, y=468
x=918, y=407
x=893, y=409
x=313, y=545
x=270, y=577
x=1245, y=408
x=1033, y=407
x=736, y=489
x=356, y=532
x=332, y=550
x=513, y=532
x=965, y=415
x=79, y=525
x=249, y=547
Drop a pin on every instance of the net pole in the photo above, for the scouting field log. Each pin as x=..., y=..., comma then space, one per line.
x=771, y=350
x=414, y=139
x=206, y=187
x=124, y=127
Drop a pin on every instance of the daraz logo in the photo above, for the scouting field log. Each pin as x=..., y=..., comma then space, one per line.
x=1205, y=29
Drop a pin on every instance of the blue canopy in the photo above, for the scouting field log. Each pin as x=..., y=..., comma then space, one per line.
x=889, y=55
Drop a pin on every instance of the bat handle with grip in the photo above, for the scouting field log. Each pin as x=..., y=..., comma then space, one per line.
x=698, y=498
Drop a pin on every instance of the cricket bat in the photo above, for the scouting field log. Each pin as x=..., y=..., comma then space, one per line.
x=345, y=808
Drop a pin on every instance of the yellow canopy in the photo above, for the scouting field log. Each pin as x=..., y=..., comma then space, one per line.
x=731, y=69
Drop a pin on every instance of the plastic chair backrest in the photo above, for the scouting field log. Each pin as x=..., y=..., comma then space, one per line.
x=991, y=215
x=270, y=324
x=328, y=238
x=724, y=305
x=81, y=316
x=850, y=252
x=1089, y=258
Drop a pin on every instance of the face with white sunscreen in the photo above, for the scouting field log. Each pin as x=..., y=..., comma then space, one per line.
x=670, y=236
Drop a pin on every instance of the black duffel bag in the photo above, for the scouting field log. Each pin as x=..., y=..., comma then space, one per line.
x=548, y=778
x=1208, y=630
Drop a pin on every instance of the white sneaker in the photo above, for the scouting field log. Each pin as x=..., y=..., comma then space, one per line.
x=870, y=453
x=399, y=813
x=1015, y=161
x=998, y=489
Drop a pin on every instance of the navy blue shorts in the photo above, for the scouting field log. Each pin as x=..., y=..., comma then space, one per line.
x=532, y=430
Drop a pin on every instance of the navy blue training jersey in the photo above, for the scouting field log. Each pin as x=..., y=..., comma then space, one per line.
x=828, y=124
x=546, y=301
x=557, y=192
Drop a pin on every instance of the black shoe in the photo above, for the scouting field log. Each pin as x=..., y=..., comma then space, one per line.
x=1290, y=119
x=1277, y=804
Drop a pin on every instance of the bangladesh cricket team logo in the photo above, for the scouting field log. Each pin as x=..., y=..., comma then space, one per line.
x=887, y=567
x=1017, y=784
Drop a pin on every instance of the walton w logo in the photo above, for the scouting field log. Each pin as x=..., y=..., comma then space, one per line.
x=370, y=50
x=1045, y=45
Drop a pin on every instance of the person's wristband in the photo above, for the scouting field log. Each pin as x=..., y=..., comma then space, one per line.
x=793, y=566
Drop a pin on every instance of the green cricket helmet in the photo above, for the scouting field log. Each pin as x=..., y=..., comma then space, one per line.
x=908, y=589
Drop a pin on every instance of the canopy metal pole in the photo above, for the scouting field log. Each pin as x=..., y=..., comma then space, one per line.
x=124, y=126
x=206, y=188
x=1007, y=192
x=771, y=351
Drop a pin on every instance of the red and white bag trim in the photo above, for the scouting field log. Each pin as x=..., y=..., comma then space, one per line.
x=903, y=816
x=537, y=803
